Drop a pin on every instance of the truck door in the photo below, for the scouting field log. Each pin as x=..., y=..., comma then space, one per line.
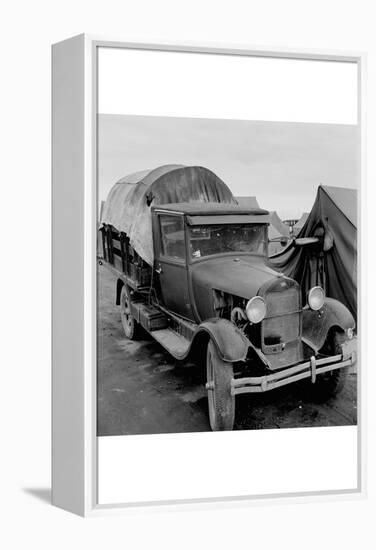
x=171, y=264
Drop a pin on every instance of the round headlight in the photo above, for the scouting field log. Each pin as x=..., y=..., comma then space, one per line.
x=316, y=298
x=256, y=309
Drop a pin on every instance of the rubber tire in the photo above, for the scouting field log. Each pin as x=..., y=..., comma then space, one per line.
x=130, y=325
x=220, y=401
x=331, y=384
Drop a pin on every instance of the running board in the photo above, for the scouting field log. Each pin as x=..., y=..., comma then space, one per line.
x=174, y=343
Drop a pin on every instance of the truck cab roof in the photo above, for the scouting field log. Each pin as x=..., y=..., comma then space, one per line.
x=202, y=213
x=209, y=208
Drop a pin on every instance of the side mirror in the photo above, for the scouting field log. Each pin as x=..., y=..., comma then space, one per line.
x=304, y=241
x=282, y=240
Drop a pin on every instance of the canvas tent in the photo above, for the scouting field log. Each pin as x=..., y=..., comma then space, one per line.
x=332, y=263
x=277, y=230
x=299, y=224
x=128, y=205
x=248, y=202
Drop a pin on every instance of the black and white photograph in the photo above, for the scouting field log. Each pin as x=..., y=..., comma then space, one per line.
x=227, y=274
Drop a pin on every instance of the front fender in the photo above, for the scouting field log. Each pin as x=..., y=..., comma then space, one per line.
x=231, y=343
x=316, y=324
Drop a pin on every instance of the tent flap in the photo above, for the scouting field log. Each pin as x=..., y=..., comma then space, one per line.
x=332, y=263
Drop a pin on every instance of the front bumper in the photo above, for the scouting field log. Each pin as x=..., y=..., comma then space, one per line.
x=310, y=369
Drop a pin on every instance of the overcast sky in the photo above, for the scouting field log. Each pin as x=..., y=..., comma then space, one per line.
x=281, y=163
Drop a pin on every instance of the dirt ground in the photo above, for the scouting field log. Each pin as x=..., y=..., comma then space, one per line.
x=143, y=390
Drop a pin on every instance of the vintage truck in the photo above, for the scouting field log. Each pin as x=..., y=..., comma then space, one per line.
x=204, y=288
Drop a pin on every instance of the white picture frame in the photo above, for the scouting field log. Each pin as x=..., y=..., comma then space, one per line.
x=74, y=200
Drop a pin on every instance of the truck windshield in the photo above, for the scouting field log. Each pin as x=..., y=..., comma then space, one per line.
x=206, y=240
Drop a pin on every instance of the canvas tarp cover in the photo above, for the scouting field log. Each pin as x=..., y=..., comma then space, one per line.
x=335, y=214
x=127, y=208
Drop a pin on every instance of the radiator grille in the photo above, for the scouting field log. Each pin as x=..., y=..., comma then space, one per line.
x=281, y=328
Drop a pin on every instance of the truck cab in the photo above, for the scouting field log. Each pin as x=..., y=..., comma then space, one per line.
x=191, y=241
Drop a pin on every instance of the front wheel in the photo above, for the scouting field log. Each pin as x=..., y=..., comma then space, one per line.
x=331, y=383
x=221, y=402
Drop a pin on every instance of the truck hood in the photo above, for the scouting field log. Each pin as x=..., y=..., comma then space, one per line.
x=241, y=276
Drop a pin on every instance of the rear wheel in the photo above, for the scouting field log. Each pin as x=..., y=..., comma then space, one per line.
x=221, y=402
x=130, y=325
x=331, y=383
